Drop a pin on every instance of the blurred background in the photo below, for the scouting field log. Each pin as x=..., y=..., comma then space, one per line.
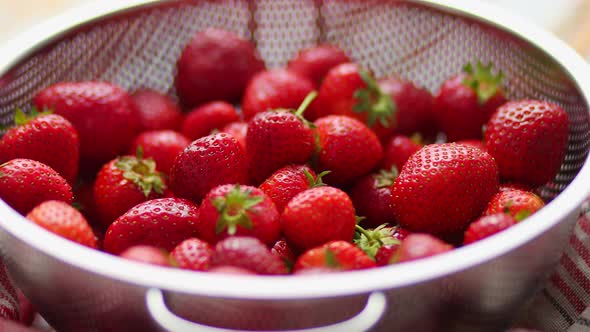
x=569, y=19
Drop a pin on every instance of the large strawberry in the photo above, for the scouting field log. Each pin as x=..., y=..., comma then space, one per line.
x=273, y=89
x=247, y=253
x=163, y=146
x=103, y=114
x=48, y=138
x=278, y=138
x=202, y=120
x=318, y=215
x=418, y=246
x=123, y=183
x=315, y=62
x=371, y=196
x=62, y=219
x=487, y=226
x=350, y=90
x=215, y=65
x=238, y=210
x=335, y=255
x=208, y=162
x=162, y=223
x=26, y=183
x=157, y=111
x=515, y=202
x=193, y=254
x=528, y=139
x=443, y=187
x=466, y=102
x=347, y=148
x=397, y=151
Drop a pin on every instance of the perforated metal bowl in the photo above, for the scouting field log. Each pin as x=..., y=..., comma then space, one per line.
x=136, y=43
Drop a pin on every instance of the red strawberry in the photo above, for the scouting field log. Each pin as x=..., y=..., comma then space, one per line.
x=238, y=210
x=26, y=183
x=417, y=246
x=338, y=255
x=48, y=138
x=414, y=107
x=316, y=216
x=473, y=142
x=347, y=148
x=239, y=130
x=147, y=254
x=385, y=254
x=397, y=151
x=350, y=90
x=466, y=102
x=371, y=241
x=516, y=202
x=103, y=114
x=156, y=111
x=193, y=254
x=62, y=219
x=487, y=226
x=162, y=223
x=204, y=119
x=273, y=89
x=282, y=249
x=289, y=181
x=443, y=187
x=163, y=146
x=247, y=253
x=371, y=196
x=215, y=65
x=27, y=311
x=208, y=162
x=528, y=139
x=315, y=62
x=123, y=183
x=278, y=138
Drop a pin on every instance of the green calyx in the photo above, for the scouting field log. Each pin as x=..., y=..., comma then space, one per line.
x=378, y=105
x=331, y=260
x=21, y=118
x=370, y=241
x=482, y=80
x=233, y=210
x=317, y=181
x=142, y=172
x=385, y=178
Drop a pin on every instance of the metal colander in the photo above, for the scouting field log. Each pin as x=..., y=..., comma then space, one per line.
x=136, y=44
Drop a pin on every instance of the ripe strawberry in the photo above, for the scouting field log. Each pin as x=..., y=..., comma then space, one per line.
x=466, y=102
x=215, y=65
x=27, y=311
x=62, y=219
x=238, y=210
x=316, y=216
x=339, y=255
x=193, y=254
x=289, y=181
x=163, y=146
x=278, y=138
x=239, y=130
x=487, y=226
x=47, y=138
x=206, y=118
x=516, y=202
x=350, y=90
x=162, y=223
x=273, y=89
x=443, y=187
x=371, y=196
x=417, y=246
x=385, y=254
x=397, y=151
x=103, y=114
x=123, y=183
x=347, y=148
x=315, y=62
x=26, y=183
x=528, y=139
x=473, y=142
x=208, y=162
x=372, y=240
x=414, y=107
x=156, y=111
x=247, y=253
x=147, y=254
x=282, y=249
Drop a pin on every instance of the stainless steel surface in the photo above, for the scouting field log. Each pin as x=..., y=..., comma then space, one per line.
x=135, y=43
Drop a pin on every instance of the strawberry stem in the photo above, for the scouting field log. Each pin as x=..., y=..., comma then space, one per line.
x=141, y=172
x=233, y=209
x=385, y=178
x=371, y=99
x=481, y=79
x=306, y=102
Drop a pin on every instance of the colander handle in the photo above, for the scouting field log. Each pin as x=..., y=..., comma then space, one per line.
x=363, y=321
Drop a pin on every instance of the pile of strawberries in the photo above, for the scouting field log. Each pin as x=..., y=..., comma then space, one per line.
x=321, y=168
